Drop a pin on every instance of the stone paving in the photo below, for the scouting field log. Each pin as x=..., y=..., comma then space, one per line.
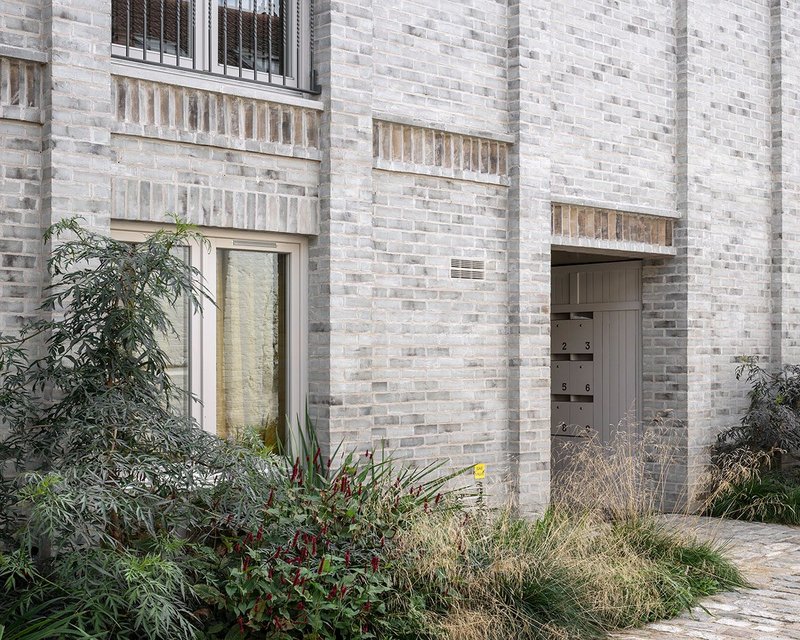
x=769, y=556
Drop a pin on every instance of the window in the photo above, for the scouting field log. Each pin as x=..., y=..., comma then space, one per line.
x=243, y=357
x=266, y=41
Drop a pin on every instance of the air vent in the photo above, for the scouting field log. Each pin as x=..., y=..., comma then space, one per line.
x=466, y=269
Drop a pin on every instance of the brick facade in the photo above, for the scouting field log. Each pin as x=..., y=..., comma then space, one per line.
x=493, y=133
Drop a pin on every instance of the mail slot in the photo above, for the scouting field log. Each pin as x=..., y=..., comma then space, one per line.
x=581, y=378
x=559, y=377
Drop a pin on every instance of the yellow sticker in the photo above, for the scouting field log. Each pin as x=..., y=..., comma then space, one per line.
x=480, y=471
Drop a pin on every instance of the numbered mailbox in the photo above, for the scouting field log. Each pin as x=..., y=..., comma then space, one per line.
x=572, y=336
x=581, y=378
x=559, y=417
x=558, y=336
x=559, y=377
x=581, y=414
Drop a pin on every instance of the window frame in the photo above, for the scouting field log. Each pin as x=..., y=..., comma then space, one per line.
x=203, y=351
x=297, y=54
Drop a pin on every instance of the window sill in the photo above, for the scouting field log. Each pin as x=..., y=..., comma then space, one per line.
x=215, y=84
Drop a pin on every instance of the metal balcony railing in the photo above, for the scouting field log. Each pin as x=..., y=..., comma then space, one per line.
x=264, y=41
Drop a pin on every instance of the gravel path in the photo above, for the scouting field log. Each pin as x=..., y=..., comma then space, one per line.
x=769, y=556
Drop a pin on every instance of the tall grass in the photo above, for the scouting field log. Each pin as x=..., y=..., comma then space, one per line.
x=744, y=485
x=598, y=560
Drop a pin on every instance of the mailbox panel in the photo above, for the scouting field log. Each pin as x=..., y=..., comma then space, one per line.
x=568, y=430
x=559, y=377
x=582, y=336
x=581, y=378
x=582, y=415
x=559, y=416
x=558, y=336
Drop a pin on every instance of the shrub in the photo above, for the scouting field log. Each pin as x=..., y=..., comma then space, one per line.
x=772, y=420
x=319, y=565
x=746, y=481
x=105, y=484
x=771, y=496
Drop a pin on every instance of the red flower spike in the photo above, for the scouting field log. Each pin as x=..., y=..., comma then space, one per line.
x=260, y=534
x=321, y=565
x=240, y=620
x=347, y=558
x=375, y=562
x=438, y=498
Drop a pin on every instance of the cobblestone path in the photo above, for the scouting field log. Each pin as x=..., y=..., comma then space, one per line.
x=769, y=556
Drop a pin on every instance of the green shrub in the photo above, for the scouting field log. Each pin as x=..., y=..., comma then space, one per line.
x=772, y=420
x=319, y=565
x=106, y=486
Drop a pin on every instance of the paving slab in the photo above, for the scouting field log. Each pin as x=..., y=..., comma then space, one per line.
x=769, y=557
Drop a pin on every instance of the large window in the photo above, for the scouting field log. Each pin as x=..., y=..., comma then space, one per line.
x=260, y=40
x=243, y=357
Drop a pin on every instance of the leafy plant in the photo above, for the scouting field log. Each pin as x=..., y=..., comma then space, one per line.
x=319, y=563
x=772, y=420
x=105, y=483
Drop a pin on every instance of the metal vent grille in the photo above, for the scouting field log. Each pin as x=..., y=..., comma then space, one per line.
x=467, y=269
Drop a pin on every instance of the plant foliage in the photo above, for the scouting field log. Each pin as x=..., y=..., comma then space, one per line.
x=772, y=420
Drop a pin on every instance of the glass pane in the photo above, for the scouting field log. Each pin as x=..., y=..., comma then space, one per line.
x=176, y=346
x=251, y=344
x=170, y=21
x=251, y=31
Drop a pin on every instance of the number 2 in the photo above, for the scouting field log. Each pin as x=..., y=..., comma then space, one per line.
x=563, y=346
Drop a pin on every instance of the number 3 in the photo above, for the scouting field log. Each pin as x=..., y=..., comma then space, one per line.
x=588, y=345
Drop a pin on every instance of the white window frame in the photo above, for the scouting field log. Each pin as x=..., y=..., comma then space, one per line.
x=203, y=352
x=297, y=56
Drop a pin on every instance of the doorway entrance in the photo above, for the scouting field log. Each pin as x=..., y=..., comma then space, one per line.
x=596, y=346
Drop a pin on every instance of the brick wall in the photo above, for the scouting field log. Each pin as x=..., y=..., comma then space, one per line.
x=786, y=183
x=22, y=25
x=442, y=63
x=613, y=96
x=439, y=374
x=448, y=130
x=215, y=160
